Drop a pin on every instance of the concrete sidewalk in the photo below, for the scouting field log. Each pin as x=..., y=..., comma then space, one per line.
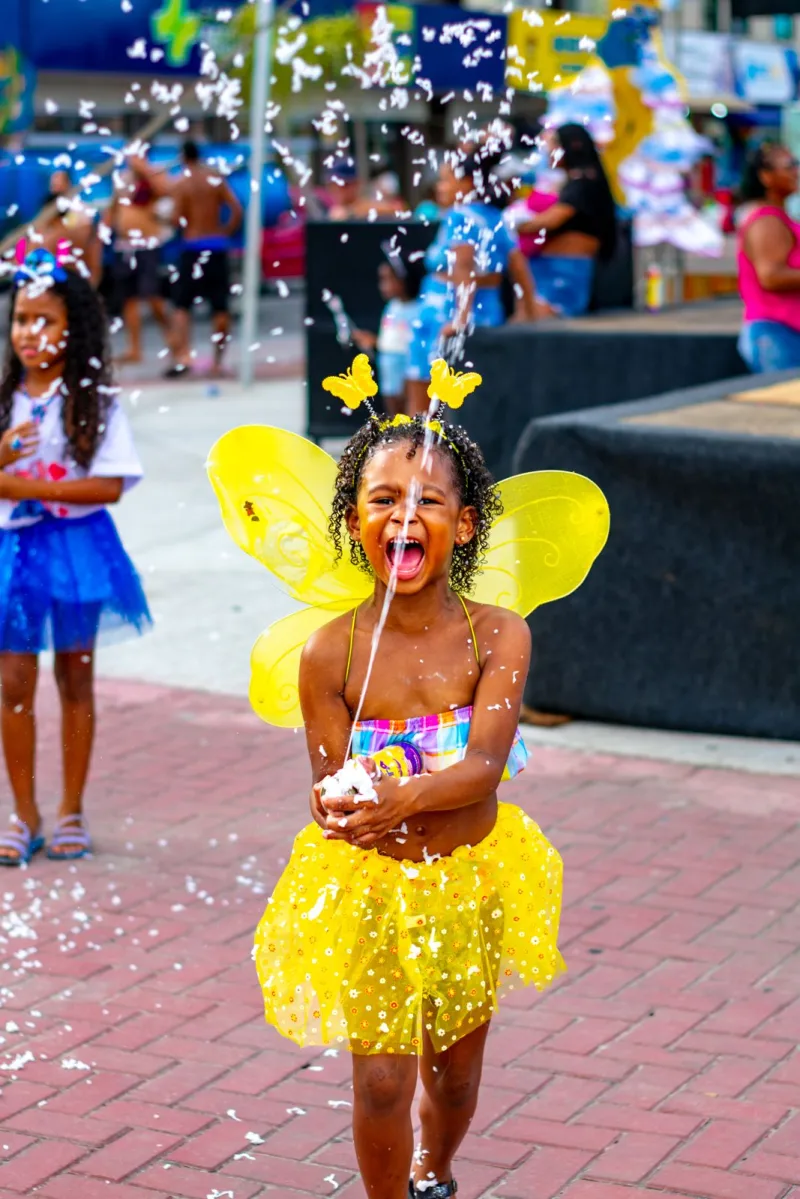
x=208, y=599
x=135, y=1061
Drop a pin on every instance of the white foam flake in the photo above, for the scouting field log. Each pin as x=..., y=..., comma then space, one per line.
x=18, y=1062
x=351, y=780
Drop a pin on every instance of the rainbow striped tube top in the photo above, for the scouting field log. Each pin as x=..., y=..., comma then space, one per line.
x=441, y=739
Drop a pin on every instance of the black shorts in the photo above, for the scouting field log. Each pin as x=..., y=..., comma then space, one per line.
x=136, y=275
x=202, y=274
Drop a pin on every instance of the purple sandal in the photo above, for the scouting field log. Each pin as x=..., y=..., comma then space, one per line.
x=20, y=842
x=70, y=830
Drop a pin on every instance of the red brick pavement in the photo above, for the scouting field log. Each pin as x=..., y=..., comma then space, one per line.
x=135, y=1062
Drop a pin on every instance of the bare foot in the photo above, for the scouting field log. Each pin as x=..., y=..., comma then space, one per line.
x=128, y=358
x=218, y=371
x=544, y=720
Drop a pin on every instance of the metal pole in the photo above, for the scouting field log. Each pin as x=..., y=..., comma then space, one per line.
x=259, y=98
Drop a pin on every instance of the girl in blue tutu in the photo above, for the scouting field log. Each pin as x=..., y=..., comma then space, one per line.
x=66, y=453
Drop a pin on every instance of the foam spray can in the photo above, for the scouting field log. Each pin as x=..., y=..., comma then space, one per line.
x=398, y=761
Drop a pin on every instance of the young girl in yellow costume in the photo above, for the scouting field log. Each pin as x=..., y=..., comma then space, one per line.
x=399, y=922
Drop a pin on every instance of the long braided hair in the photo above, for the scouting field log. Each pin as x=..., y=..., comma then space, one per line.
x=86, y=380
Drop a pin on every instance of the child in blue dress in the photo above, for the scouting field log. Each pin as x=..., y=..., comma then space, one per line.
x=465, y=263
x=399, y=280
x=66, y=452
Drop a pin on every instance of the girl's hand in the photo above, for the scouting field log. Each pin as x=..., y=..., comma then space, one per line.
x=365, y=340
x=319, y=806
x=318, y=812
x=367, y=823
x=19, y=442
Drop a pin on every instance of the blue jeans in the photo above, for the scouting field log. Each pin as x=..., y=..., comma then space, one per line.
x=564, y=283
x=392, y=372
x=769, y=346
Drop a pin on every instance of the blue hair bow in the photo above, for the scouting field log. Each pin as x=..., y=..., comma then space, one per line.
x=39, y=264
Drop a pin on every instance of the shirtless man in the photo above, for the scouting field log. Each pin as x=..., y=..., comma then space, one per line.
x=202, y=196
x=70, y=231
x=138, y=236
x=353, y=200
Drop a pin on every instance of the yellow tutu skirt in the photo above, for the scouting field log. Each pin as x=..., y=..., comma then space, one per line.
x=365, y=951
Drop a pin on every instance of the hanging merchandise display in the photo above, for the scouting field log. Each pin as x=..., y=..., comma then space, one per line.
x=633, y=102
x=654, y=175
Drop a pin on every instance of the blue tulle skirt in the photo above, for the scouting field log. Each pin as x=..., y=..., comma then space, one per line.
x=64, y=583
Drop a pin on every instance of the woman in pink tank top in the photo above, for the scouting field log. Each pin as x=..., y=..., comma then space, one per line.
x=769, y=263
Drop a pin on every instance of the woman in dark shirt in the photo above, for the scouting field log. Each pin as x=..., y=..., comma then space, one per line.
x=578, y=228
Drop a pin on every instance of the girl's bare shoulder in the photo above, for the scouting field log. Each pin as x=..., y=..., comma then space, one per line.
x=491, y=621
x=327, y=648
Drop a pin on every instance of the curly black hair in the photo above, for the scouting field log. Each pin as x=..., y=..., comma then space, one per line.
x=476, y=488
x=86, y=382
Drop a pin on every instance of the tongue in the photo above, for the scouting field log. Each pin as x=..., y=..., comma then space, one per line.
x=406, y=561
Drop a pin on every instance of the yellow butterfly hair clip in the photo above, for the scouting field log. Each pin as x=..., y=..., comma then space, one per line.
x=355, y=386
x=451, y=387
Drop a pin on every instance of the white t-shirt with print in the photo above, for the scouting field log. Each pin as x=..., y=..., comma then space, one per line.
x=396, y=327
x=116, y=457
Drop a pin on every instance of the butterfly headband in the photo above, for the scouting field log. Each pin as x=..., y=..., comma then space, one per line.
x=357, y=385
x=41, y=264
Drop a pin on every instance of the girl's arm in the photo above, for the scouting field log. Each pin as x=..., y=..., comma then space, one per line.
x=495, y=714
x=92, y=490
x=548, y=221
x=326, y=716
x=462, y=274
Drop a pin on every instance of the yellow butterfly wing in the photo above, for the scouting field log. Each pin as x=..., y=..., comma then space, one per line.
x=274, y=490
x=553, y=526
x=275, y=666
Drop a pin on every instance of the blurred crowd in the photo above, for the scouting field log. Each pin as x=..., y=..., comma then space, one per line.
x=509, y=242
x=494, y=256
x=120, y=250
x=502, y=249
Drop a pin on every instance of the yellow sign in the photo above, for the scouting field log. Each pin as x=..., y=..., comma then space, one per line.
x=548, y=49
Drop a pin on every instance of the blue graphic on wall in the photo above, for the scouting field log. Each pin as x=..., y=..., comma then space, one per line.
x=153, y=36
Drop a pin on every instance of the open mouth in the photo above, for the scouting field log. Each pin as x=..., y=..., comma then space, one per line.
x=405, y=557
